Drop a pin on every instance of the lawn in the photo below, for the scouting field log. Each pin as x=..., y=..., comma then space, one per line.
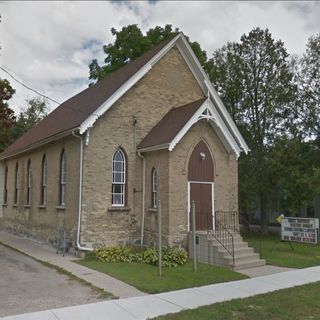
x=145, y=277
x=280, y=254
x=288, y=304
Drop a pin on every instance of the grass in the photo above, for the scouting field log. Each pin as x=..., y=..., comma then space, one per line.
x=145, y=277
x=289, y=304
x=102, y=293
x=280, y=254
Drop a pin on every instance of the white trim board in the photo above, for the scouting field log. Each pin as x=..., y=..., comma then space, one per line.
x=223, y=119
x=208, y=111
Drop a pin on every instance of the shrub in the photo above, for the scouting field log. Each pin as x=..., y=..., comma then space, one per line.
x=171, y=256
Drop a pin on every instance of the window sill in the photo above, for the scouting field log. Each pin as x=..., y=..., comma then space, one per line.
x=5, y=205
x=61, y=207
x=42, y=206
x=15, y=206
x=155, y=210
x=27, y=206
x=119, y=209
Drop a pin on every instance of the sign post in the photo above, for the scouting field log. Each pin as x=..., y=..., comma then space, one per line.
x=159, y=240
x=193, y=222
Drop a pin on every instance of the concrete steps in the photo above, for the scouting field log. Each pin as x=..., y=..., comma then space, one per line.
x=210, y=251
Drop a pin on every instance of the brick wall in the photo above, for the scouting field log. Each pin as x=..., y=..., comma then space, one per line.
x=169, y=84
x=35, y=221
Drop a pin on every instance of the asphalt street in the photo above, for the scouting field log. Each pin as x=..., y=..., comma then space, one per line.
x=26, y=286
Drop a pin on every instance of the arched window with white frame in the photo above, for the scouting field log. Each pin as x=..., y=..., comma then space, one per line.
x=63, y=179
x=154, y=188
x=118, y=178
x=16, y=184
x=29, y=183
x=5, y=191
x=43, y=189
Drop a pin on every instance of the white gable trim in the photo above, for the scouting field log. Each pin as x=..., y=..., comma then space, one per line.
x=88, y=123
x=212, y=91
x=222, y=118
x=209, y=112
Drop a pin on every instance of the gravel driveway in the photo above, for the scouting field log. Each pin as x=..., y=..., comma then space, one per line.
x=27, y=286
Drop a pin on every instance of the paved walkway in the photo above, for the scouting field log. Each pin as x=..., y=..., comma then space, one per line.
x=263, y=271
x=47, y=254
x=159, y=304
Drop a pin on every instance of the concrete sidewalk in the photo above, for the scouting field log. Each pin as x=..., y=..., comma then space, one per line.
x=170, y=302
x=47, y=254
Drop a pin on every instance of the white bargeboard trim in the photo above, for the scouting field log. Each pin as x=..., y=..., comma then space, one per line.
x=225, y=120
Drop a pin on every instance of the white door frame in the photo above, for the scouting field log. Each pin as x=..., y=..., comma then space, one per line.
x=212, y=200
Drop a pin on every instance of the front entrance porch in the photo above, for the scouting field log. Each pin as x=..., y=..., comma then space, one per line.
x=221, y=243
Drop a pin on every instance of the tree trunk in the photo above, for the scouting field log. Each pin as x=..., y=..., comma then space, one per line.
x=263, y=214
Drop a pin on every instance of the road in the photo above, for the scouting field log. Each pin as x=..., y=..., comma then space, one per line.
x=26, y=286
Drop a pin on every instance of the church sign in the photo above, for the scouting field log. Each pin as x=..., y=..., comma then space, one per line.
x=300, y=230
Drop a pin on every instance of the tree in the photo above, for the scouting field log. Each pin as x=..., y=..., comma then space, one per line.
x=255, y=81
x=295, y=173
x=130, y=43
x=36, y=110
x=308, y=79
x=7, y=117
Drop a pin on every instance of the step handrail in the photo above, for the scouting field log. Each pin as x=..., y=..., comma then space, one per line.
x=223, y=236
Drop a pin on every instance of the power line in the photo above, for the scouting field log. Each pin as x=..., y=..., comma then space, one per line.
x=37, y=92
x=27, y=87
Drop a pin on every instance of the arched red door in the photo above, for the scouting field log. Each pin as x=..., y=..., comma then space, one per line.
x=201, y=183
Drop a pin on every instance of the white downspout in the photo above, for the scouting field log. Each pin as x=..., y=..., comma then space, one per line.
x=80, y=195
x=143, y=195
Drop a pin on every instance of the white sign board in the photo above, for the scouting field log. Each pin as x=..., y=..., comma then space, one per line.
x=300, y=230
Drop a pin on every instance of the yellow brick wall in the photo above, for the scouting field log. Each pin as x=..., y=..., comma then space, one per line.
x=34, y=221
x=168, y=84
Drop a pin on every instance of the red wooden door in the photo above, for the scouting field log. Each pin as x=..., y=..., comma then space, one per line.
x=201, y=178
x=201, y=194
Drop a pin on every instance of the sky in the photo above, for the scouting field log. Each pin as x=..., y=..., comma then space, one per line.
x=49, y=45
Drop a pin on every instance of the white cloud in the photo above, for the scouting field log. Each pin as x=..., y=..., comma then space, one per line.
x=48, y=45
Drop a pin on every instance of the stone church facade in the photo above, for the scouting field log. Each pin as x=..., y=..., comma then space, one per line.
x=98, y=165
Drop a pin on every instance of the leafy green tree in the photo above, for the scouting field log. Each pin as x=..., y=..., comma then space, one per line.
x=131, y=43
x=7, y=117
x=36, y=110
x=295, y=169
x=308, y=79
x=255, y=80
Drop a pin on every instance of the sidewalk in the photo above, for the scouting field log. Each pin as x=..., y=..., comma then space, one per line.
x=170, y=302
x=47, y=254
x=141, y=306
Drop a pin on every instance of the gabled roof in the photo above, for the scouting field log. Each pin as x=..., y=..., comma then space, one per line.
x=81, y=111
x=168, y=127
x=73, y=112
x=177, y=122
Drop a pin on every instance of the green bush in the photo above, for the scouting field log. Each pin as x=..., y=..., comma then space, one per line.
x=171, y=256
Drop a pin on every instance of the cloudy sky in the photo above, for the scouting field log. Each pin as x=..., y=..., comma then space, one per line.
x=48, y=45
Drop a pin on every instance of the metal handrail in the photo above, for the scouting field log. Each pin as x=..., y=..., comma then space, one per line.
x=229, y=219
x=223, y=236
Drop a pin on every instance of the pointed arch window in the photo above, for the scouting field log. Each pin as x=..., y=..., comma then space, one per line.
x=29, y=183
x=154, y=189
x=63, y=179
x=16, y=184
x=118, y=178
x=5, y=191
x=43, y=190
